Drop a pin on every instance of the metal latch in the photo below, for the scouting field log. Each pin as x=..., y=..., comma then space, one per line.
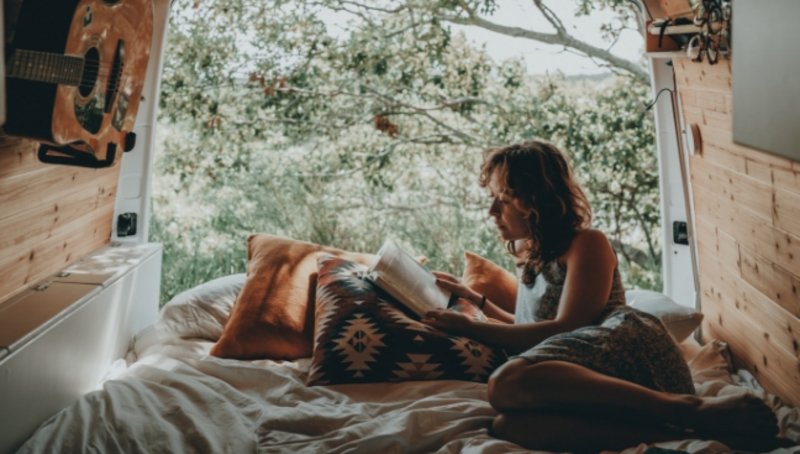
x=680, y=232
x=126, y=224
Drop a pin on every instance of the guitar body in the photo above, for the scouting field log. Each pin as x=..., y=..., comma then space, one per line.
x=91, y=105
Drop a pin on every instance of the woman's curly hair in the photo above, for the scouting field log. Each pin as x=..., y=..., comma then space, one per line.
x=538, y=175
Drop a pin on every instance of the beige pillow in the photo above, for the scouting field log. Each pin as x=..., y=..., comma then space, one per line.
x=680, y=321
x=489, y=279
x=273, y=316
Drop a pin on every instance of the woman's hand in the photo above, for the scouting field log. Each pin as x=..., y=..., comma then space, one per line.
x=451, y=284
x=449, y=321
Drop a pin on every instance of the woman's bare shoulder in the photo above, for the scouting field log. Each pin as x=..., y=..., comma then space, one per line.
x=591, y=237
x=591, y=244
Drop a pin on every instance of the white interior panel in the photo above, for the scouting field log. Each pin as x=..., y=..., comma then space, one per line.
x=65, y=350
x=676, y=259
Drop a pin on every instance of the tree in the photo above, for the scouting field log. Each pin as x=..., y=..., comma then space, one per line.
x=276, y=123
x=478, y=13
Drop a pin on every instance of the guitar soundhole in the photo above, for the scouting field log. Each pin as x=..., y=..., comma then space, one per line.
x=91, y=66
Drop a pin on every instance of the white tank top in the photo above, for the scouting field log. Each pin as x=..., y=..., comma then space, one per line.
x=526, y=300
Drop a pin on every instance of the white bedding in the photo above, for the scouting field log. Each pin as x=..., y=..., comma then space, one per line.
x=171, y=396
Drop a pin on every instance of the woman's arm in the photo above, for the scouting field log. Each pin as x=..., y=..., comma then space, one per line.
x=496, y=312
x=514, y=338
x=492, y=310
x=590, y=263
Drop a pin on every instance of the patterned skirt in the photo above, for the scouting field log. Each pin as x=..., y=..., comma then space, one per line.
x=628, y=344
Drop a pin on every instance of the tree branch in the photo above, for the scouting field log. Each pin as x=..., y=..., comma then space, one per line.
x=564, y=39
x=643, y=224
x=631, y=253
x=372, y=7
x=551, y=17
x=468, y=139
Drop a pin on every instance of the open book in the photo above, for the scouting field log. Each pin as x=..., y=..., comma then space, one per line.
x=401, y=276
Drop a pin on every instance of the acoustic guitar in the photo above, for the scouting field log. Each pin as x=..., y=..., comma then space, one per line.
x=75, y=75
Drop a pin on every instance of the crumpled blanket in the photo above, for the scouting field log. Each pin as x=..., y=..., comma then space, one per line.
x=171, y=396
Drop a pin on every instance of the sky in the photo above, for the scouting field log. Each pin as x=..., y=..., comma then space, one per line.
x=542, y=58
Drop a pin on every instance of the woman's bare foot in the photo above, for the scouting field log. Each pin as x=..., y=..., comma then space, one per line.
x=741, y=415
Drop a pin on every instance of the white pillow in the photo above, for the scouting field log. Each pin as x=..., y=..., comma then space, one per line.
x=202, y=311
x=680, y=321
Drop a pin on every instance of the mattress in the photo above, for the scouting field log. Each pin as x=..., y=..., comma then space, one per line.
x=170, y=395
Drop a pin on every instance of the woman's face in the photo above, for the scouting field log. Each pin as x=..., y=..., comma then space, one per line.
x=508, y=213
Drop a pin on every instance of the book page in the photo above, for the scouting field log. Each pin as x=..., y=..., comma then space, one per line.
x=408, y=281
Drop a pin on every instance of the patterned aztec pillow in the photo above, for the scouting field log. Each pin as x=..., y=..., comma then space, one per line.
x=362, y=335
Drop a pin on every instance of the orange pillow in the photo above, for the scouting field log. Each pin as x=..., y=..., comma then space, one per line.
x=273, y=316
x=488, y=278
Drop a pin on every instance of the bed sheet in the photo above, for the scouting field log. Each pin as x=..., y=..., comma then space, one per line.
x=171, y=396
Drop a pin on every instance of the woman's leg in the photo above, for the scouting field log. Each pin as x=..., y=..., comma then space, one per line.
x=560, y=431
x=551, y=431
x=521, y=386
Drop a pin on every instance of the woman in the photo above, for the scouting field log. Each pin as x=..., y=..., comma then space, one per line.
x=590, y=373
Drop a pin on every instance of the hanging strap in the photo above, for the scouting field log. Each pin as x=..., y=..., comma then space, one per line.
x=662, y=28
x=74, y=156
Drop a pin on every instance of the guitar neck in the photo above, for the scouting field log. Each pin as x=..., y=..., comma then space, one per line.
x=45, y=67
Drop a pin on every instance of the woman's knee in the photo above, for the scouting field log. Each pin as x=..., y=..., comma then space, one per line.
x=505, y=384
x=518, y=384
x=501, y=427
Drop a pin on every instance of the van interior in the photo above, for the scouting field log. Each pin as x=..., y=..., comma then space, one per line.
x=89, y=361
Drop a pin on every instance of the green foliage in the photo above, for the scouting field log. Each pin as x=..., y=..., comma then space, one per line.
x=273, y=120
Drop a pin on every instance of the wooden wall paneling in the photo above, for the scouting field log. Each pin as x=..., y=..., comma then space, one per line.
x=751, y=232
x=50, y=216
x=746, y=303
x=718, y=101
x=729, y=235
x=718, y=246
x=43, y=184
x=728, y=216
x=759, y=170
x=722, y=138
x=723, y=158
x=736, y=193
x=787, y=210
x=703, y=77
x=89, y=233
x=756, y=346
x=787, y=179
x=750, y=193
x=778, y=374
x=771, y=279
x=707, y=117
x=748, y=235
x=16, y=156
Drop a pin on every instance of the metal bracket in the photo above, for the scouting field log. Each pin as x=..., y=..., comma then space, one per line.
x=73, y=156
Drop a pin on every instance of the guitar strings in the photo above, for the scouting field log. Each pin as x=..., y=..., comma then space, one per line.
x=38, y=65
x=40, y=72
